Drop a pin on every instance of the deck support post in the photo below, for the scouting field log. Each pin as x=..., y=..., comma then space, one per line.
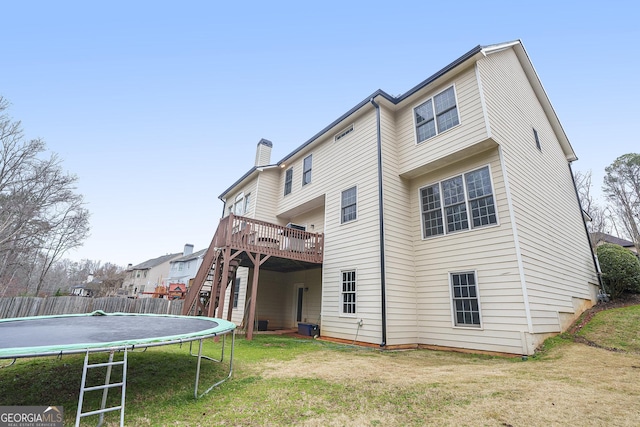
x=257, y=262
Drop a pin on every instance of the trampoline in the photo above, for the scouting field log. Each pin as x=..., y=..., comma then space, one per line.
x=112, y=333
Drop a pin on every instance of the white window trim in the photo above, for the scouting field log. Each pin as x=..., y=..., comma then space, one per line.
x=466, y=200
x=340, y=312
x=413, y=115
x=356, y=218
x=479, y=327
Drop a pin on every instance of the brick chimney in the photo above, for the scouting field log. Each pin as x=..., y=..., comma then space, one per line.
x=263, y=152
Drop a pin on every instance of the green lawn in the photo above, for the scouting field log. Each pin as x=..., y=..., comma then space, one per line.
x=280, y=381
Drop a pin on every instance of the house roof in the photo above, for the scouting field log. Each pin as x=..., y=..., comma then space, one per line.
x=155, y=262
x=471, y=56
x=608, y=238
x=194, y=255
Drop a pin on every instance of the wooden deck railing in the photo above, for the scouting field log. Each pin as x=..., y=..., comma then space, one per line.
x=259, y=236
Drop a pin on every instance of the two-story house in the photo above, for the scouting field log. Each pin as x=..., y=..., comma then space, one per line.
x=445, y=217
x=142, y=279
x=182, y=270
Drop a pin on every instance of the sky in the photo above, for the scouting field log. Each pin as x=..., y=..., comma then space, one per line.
x=157, y=106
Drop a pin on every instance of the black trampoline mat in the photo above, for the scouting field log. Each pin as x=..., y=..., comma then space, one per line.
x=94, y=330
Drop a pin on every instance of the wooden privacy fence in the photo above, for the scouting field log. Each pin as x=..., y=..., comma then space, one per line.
x=36, y=306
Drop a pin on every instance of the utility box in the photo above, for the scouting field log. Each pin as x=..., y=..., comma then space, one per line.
x=308, y=329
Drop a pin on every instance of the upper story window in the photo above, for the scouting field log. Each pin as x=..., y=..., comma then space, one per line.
x=348, y=206
x=306, y=170
x=436, y=115
x=288, y=180
x=537, y=139
x=458, y=203
x=247, y=203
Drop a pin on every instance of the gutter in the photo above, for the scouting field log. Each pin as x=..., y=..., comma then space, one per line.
x=381, y=216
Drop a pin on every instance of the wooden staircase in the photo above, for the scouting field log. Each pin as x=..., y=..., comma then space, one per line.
x=250, y=242
x=208, y=289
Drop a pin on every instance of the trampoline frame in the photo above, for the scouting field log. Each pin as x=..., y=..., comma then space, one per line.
x=126, y=346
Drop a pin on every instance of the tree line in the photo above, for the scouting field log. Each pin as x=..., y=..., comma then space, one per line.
x=42, y=217
x=619, y=214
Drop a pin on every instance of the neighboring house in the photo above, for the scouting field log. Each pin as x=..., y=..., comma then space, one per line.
x=439, y=218
x=141, y=280
x=81, y=290
x=599, y=238
x=183, y=269
x=90, y=288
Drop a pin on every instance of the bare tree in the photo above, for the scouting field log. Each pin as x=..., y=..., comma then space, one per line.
x=41, y=216
x=622, y=188
x=601, y=217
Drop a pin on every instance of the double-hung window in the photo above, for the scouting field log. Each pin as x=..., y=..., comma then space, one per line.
x=348, y=292
x=464, y=291
x=306, y=170
x=459, y=203
x=436, y=115
x=288, y=180
x=349, y=205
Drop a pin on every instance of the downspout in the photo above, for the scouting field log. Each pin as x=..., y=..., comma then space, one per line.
x=224, y=206
x=586, y=231
x=381, y=216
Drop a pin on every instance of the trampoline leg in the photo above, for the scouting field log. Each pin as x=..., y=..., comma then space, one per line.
x=105, y=392
x=200, y=357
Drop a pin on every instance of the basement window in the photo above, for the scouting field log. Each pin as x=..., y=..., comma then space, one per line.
x=466, y=307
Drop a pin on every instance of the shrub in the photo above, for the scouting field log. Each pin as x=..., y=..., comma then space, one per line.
x=620, y=269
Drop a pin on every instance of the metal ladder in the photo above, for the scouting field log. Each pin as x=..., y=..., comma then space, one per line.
x=105, y=388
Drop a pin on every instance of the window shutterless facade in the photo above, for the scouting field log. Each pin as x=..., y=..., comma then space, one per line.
x=459, y=203
x=288, y=180
x=306, y=170
x=436, y=115
x=348, y=207
x=348, y=292
x=464, y=291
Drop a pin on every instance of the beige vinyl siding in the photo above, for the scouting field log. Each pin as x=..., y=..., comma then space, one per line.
x=471, y=130
x=555, y=251
x=354, y=245
x=399, y=257
x=313, y=220
x=267, y=192
x=489, y=251
x=249, y=187
x=329, y=157
x=238, y=312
